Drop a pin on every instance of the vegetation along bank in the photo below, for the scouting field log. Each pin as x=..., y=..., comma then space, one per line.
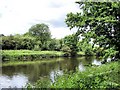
x=102, y=77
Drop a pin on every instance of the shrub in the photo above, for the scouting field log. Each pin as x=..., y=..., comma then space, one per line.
x=66, y=49
x=88, y=52
x=103, y=77
x=37, y=48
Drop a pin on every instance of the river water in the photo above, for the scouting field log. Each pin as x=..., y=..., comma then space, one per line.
x=19, y=76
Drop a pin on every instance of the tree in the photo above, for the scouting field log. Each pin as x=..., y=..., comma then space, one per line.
x=85, y=47
x=54, y=44
x=71, y=41
x=8, y=42
x=27, y=43
x=17, y=42
x=41, y=32
x=99, y=21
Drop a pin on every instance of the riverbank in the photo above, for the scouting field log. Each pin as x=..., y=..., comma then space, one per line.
x=30, y=55
x=102, y=77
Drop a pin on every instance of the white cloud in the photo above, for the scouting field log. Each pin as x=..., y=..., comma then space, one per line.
x=17, y=16
x=60, y=32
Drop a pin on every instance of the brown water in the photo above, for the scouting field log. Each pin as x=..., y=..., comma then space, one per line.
x=19, y=76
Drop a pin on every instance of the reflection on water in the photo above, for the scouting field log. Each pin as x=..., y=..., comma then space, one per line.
x=81, y=67
x=54, y=74
x=20, y=75
x=16, y=80
x=95, y=62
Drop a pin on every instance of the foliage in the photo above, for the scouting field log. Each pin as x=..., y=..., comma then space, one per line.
x=27, y=43
x=80, y=53
x=102, y=77
x=17, y=42
x=88, y=52
x=9, y=42
x=42, y=83
x=66, y=49
x=99, y=21
x=109, y=53
x=38, y=38
x=36, y=48
x=54, y=44
x=41, y=32
x=85, y=47
x=71, y=42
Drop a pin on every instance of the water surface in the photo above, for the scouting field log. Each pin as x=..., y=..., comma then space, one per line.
x=19, y=76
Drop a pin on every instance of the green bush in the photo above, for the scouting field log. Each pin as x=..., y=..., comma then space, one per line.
x=103, y=77
x=41, y=83
x=88, y=52
x=66, y=49
x=37, y=48
x=111, y=52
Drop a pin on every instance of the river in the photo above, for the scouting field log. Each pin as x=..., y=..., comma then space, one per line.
x=19, y=76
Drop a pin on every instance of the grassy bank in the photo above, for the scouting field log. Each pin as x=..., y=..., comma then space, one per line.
x=101, y=77
x=24, y=55
x=28, y=55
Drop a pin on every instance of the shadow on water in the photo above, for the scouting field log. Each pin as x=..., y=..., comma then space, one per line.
x=31, y=73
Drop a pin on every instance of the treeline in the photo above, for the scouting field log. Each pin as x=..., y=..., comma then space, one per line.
x=39, y=38
x=18, y=42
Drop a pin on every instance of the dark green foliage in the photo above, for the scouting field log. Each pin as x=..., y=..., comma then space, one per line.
x=88, y=52
x=42, y=83
x=71, y=41
x=36, y=48
x=8, y=42
x=27, y=43
x=66, y=49
x=42, y=33
x=99, y=21
x=54, y=45
x=17, y=42
x=103, y=77
x=85, y=47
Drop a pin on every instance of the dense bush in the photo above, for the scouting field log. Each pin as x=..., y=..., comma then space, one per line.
x=88, y=52
x=66, y=49
x=104, y=77
x=71, y=41
x=17, y=42
x=85, y=47
x=26, y=42
x=54, y=45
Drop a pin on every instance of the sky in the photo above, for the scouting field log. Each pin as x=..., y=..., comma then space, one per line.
x=17, y=16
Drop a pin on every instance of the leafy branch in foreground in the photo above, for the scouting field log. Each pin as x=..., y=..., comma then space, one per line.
x=99, y=21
